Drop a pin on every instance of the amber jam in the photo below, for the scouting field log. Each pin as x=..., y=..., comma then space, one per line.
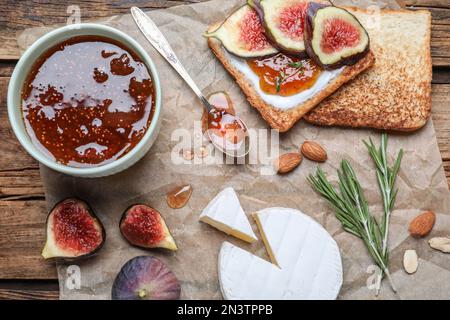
x=284, y=75
x=224, y=128
x=88, y=101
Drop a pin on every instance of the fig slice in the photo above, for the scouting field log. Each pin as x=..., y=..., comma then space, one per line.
x=73, y=231
x=145, y=278
x=242, y=34
x=334, y=37
x=284, y=23
x=144, y=227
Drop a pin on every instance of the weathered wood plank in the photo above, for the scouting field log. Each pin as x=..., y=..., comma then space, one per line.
x=440, y=30
x=13, y=156
x=441, y=118
x=18, y=15
x=441, y=75
x=425, y=3
x=22, y=236
x=9, y=49
x=29, y=289
x=7, y=67
x=12, y=294
x=17, y=183
x=27, y=14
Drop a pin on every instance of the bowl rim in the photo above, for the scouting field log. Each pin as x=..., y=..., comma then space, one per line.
x=23, y=136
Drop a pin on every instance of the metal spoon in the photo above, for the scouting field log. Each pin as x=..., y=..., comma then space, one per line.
x=159, y=42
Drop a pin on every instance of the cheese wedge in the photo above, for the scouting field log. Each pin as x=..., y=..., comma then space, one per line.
x=225, y=213
x=308, y=259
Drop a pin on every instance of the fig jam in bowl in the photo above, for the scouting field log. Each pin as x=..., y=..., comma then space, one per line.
x=85, y=100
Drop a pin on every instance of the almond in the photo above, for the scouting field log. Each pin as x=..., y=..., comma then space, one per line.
x=421, y=225
x=314, y=151
x=287, y=162
x=441, y=244
x=410, y=261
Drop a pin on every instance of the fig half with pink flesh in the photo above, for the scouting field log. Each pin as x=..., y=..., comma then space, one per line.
x=284, y=23
x=144, y=227
x=73, y=231
x=242, y=34
x=334, y=37
x=145, y=278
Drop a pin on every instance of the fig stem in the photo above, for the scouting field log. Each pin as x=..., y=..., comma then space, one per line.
x=142, y=293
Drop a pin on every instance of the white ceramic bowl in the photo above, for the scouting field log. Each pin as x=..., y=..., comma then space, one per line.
x=21, y=71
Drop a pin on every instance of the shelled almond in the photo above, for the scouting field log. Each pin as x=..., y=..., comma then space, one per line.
x=410, y=261
x=314, y=151
x=440, y=243
x=287, y=162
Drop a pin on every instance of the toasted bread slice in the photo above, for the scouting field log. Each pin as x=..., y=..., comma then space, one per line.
x=396, y=93
x=277, y=118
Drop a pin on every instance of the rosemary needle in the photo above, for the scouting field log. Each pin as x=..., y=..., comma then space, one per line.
x=280, y=80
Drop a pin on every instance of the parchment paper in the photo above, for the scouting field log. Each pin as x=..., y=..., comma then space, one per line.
x=421, y=182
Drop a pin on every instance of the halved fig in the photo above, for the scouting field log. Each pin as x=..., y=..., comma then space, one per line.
x=284, y=23
x=242, y=34
x=144, y=227
x=334, y=37
x=145, y=278
x=73, y=231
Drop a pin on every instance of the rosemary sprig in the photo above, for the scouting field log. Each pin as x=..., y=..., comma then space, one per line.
x=352, y=211
x=386, y=177
x=297, y=64
x=280, y=80
x=282, y=76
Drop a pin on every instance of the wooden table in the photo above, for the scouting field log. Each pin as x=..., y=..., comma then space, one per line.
x=23, y=273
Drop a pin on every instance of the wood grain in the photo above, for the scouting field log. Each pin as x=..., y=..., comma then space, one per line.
x=441, y=119
x=22, y=236
x=19, y=15
x=19, y=173
x=440, y=42
x=29, y=290
x=11, y=294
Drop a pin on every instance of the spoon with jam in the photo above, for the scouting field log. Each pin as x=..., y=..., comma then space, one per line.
x=227, y=132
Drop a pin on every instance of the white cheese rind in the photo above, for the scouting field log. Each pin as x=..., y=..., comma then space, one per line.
x=281, y=102
x=225, y=213
x=242, y=274
x=308, y=257
x=301, y=246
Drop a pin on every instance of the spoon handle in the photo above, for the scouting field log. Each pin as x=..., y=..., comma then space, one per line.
x=159, y=42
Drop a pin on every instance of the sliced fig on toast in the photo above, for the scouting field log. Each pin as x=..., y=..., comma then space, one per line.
x=334, y=37
x=284, y=23
x=144, y=227
x=242, y=34
x=73, y=231
x=145, y=278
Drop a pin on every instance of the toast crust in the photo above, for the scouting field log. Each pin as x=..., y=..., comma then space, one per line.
x=279, y=119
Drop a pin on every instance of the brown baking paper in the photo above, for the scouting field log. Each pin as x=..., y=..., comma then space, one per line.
x=421, y=182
